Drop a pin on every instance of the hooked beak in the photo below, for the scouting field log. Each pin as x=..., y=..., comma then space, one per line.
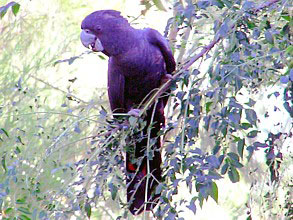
x=91, y=41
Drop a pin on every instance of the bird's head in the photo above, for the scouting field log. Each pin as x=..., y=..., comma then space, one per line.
x=102, y=31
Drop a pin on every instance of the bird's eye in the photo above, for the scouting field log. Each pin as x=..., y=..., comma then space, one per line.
x=98, y=28
x=87, y=31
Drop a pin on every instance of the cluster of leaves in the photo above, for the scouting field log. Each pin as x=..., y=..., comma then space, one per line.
x=40, y=135
x=14, y=7
x=253, y=51
x=149, y=3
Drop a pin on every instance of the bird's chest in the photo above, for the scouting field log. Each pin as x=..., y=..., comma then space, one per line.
x=137, y=88
x=133, y=63
x=142, y=68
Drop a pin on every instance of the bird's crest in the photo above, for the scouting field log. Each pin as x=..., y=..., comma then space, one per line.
x=109, y=14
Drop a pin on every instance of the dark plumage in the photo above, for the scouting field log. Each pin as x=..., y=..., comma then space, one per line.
x=138, y=61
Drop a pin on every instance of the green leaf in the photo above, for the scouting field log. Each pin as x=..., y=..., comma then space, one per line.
x=8, y=210
x=24, y=210
x=208, y=106
x=245, y=125
x=132, y=121
x=159, y=5
x=214, y=192
x=216, y=149
x=200, y=200
x=192, y=206
x=240, y=147
x=88, y=209
x=227, y=3
x=286, y=17
x=50, y=207
x=113, y=190
x=289, y=50
x=250, y=150
x=101, y=57
x=15, y=8
x=236, y=139
x=165, y=199
x=269, y=37
x=224, y=130
x=19, y=139
x=224, y=168
x=236, y=164
x=24, y=217
x=21, y=201
x=3, y=11
x=214, y=174
x=251, y=116
x=233, y=156
x=17, y=150
x=233, y=175
x=252, y=134
x=250, y=24
x=220, y=4
x=3, y=162
x=5, y=132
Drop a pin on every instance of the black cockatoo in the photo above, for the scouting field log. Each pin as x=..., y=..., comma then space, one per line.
x=139, y=60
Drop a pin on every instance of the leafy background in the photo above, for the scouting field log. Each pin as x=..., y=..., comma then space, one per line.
x=229, y=130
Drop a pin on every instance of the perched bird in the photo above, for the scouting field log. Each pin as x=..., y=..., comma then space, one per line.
x=139, y=61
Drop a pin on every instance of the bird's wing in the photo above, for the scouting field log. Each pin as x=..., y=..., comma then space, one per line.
x=116, y=84
x=155, y=38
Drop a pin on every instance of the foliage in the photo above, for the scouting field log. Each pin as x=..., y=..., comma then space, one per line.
x=14, y=7
x=59, y=158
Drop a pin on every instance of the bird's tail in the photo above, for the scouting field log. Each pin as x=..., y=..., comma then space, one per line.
x=144, y=172
x=141, y=183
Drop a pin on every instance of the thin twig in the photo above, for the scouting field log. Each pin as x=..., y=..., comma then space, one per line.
x=60, y=90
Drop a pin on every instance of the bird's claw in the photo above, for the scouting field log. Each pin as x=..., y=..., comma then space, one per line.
x=134, y=112
x=165, y=78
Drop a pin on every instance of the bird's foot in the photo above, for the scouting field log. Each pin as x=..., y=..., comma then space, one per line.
x=135, y=112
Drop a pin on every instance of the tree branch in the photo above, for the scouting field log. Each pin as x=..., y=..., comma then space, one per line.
x=192, y=60
x=60, y=90
x=265, y=5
